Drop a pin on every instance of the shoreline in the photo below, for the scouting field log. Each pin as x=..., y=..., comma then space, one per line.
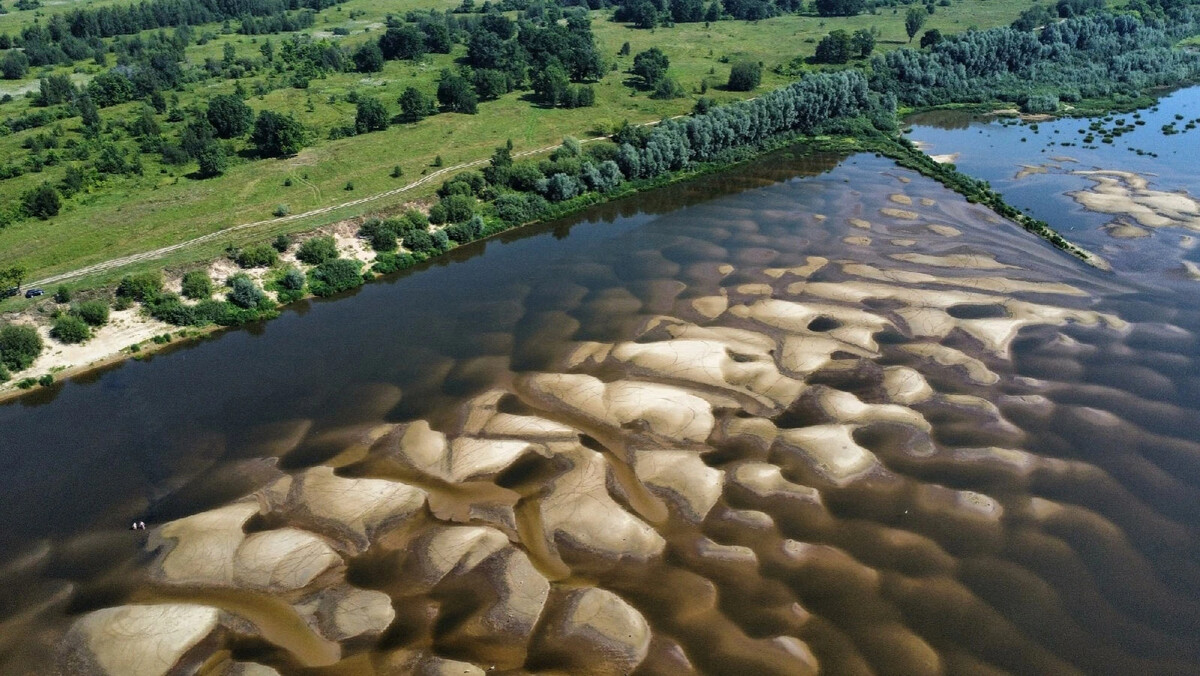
x=896, y=148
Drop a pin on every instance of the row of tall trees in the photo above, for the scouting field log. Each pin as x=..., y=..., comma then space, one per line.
x=1092, y=56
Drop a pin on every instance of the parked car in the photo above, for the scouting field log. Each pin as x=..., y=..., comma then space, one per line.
x=31, y=293
x=10, y=292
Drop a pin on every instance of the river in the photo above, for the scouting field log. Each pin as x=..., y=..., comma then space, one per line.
x=814, y=413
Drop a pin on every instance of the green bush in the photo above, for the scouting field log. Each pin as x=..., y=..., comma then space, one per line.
x=289, y=287
x=19, y=346
x=142, y=287
x=62, y=295
x=458, y=207
x=4, y=374
x=281, y=243
x=318, y=250
x=46, y=381
x=258, y=256
x=334, y=276
x=70, y=329
x=391, y=262
x=170, y=309
x=197, y=285
x=745, y=76
x=244, y=293
x=420, y=242
x=93, y=312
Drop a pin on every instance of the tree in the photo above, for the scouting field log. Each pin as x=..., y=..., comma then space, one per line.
x=229, y=116
x=834, y=48
x=258, y=256
x=243, y=292
x=333, y=276
x=490, y=84
x=914, y=20
x=212, y=160
x=651, y=66
x=667, y=88
x=414, y=105
x=94, y=312
x=277, y=135
x=368, y=58
x=89, y=114
x=142, y=287
x=456, y=94
x=862, y=42
x=745, y=76
x=41, y=202
x=931, y=37
x=403, y=42
x=550, y=84
x=12, y=276
x=70, y=329
x=14, y=65
x=839, y=7
x=55, y=89
x=370, y=115
x=317, y=250
x=197, y=285
x=19, y=346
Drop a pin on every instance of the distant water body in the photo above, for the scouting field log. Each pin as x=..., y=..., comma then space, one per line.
x=920, y=440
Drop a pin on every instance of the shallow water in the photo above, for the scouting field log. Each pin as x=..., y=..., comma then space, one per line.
x=769, y=462
x=1031, y=167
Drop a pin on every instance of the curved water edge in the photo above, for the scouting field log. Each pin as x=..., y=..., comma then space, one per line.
x=846, y=421
x=1135, y=200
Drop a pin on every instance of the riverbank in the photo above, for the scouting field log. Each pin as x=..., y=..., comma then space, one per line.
x=135, y=334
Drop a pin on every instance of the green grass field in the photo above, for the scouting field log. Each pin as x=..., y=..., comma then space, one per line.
x=164, y=206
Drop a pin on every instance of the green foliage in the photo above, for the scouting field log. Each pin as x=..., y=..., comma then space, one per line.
x=415, y=105
x=931, y=37
x=258, y=256
x=651, y=66
x=62, y=294
x=19, y=346
x=745, y=76
x=317, y=250
x=914, y=20
x=42, y=202
x=402, y=42
x=141, y=287
x=839, y=7
x=229, y=116
x=70, y=329
x=212, y=160
x=370, y=115
x=667, y=88
x=4, y=374
x=335, y=276
x=94, y=312
x=14, y=65
x=281, y=243
x=244, y=293
x=863, y=43
x=368, y=58
x=455, y=94
x=277, y=135
x=390, y=262
x=834, y=48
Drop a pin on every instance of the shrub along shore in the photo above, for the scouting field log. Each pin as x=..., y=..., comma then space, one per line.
x=836, y=111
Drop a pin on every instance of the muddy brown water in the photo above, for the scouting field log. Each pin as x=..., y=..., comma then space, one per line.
x=1073, y=551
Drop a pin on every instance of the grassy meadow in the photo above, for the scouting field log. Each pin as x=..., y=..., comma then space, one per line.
x=165, y=205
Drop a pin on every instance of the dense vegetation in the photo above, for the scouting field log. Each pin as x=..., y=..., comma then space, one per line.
x=1083, y=57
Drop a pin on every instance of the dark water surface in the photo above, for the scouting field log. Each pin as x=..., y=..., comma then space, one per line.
x=1034, y=510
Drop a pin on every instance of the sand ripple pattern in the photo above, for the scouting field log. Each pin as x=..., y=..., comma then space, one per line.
x=749, y=447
